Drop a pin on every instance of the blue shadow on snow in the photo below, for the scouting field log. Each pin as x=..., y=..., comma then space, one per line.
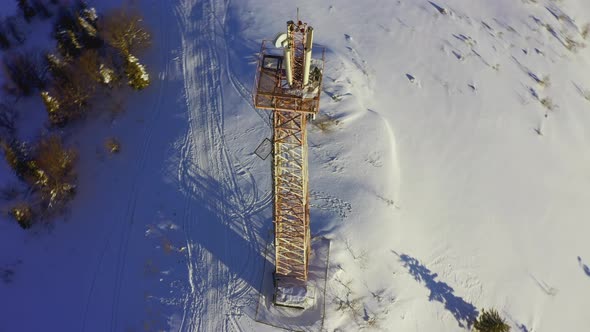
x=584, y=267
x=465, y=313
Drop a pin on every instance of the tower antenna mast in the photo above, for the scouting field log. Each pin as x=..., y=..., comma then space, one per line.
x=288, y=83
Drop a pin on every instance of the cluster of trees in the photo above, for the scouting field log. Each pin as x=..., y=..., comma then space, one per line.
x=95, y=56
x=48, y=171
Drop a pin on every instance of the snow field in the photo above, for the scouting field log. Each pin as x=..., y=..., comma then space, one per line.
x=450, y=175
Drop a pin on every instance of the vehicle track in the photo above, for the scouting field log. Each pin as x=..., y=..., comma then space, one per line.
x=205, y=159
x=127, y=224
x=202, y=89
x=128, y=220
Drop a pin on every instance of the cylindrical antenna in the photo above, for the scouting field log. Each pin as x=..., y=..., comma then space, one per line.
x=288, y=64
x=307, y=55
x=289, y=52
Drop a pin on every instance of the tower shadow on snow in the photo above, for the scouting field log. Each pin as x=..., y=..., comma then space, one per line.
x=232, y=230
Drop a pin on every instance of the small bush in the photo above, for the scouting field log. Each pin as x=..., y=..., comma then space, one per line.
x=490, y=321
x=545, y=82
x=548, y=103
x=113, y=145
x=23, y=214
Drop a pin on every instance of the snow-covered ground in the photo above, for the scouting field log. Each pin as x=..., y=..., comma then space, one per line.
x=455, y=176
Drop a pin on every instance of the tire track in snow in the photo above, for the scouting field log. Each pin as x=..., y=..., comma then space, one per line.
x=126, y=228
x=214, y=288
x=129, y=214
x=128, y=220
x=246, y=208
x=204, y=104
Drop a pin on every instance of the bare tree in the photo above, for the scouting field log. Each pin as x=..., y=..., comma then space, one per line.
x=4, y=36
x=27, y=9
x=41, y=8
x=76, y=29
x=52, y=173
x=24, y=73
x=12, y=26
x=7, y=122
x=125, y=31
x=70, y=92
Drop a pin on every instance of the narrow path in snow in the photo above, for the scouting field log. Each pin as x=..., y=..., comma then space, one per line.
x=208, y=174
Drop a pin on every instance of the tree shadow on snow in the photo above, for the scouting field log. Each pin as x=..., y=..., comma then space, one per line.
x=465, y=313
x=584, y=267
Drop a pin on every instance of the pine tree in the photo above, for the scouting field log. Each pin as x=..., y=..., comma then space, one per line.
x=490, y=321
x=107, y=75
x=136, y=73
x=17, y=156
x=52, y=106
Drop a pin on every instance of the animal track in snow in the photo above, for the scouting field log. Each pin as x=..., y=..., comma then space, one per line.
x=374, y=159
x=355, y=57
x=325, y=201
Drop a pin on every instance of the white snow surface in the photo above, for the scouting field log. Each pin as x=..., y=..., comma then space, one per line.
x=445, y=185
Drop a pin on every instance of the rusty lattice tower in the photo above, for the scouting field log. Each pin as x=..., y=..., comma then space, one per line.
x=288, y=82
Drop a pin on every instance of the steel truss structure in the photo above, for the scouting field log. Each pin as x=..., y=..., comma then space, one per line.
x=291, y=105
